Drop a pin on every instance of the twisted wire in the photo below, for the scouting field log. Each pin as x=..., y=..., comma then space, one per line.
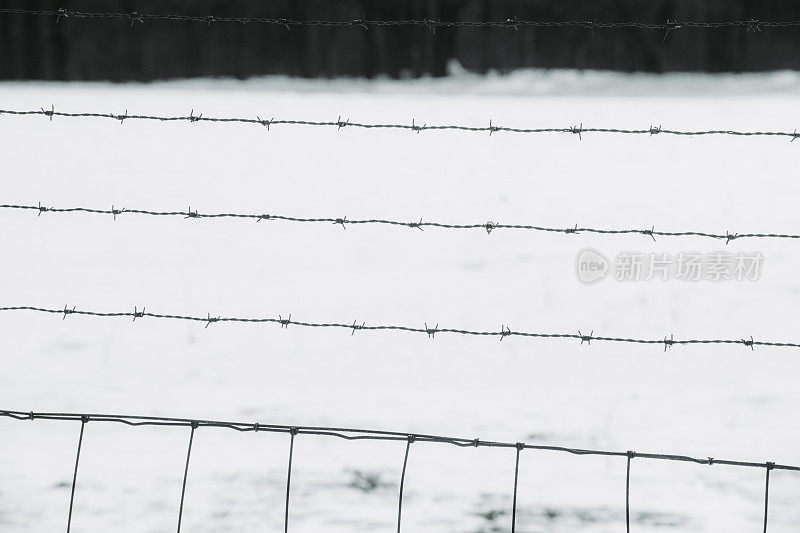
x=488, y=227
x=136, y=17
x=431, y=332
x=340, y=124
x=371, y=435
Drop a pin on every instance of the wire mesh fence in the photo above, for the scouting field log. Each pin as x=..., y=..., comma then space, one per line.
x=372, y=435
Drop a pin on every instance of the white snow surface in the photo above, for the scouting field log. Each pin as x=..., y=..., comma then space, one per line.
x=721, y=401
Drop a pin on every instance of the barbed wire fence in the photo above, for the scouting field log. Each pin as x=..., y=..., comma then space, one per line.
x=502, y=333
x=135, y=17
x=374, y=435
x=488, y=226
x=414, y=127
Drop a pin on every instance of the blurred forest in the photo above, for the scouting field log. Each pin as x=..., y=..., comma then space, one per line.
x=79, y=49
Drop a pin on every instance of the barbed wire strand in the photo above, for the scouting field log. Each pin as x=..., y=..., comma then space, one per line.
x=377, y=435
x=134, y=17
x=431, y=332
x=75, y=474
x=344, y=221
x=194, y=426
x=339, y=124
x=292, y=433
x=410, y=441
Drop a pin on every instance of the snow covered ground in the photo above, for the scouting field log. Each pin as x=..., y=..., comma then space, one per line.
x=721, y=401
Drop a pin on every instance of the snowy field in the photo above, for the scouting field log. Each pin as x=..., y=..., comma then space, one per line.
x=721, y=401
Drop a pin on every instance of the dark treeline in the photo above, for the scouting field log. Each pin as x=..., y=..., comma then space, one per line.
x=75, y=49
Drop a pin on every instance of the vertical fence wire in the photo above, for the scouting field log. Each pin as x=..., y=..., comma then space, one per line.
x=292, y=432
x=514, y=500
x=631, y=455
x=185, y=475
x=411, y=439
x=84, y=419
x=766, y=496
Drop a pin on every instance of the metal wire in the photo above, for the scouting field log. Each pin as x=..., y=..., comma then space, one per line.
x=380, y=435
x=186, y=474
x=519, y=447
x=488, y=227
x=370, y=435
x=751, y=25
x=411, y=439
x=75, y=474
x=631, y=455
x=414, y=127
x=766, y=497
x=292, y=433
x=431, y=332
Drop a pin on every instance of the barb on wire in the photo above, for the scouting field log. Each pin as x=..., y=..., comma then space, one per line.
x=427, y=330
x=749, y=342
x=488, y=227
x=431, y=332
x=209, y=319
x=669, y=342
x=49, y=113
x=750, y=25
x=340, y=124
x=356, y=327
